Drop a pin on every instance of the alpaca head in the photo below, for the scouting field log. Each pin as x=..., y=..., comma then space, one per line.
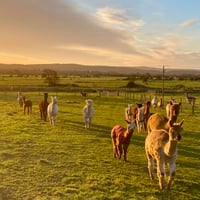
x=54, y=100
x=175, y=130
x=88, y=102
x=130, y=125
x=174, y=111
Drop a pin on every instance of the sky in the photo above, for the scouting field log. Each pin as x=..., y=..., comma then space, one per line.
x=101, y=32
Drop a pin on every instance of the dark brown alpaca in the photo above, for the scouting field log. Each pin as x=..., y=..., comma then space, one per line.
x=83, y=94
x=43, y=104
x=27, y=104
x=146, y=113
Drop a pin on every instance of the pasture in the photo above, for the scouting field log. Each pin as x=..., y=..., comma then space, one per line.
x=67, y=161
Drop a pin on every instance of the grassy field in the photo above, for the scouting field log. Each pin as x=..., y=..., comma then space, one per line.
x=69, y=162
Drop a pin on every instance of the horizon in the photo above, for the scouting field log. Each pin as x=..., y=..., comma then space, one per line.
x=101, y=33
x=105, y=66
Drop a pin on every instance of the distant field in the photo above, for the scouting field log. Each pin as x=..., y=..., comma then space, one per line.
x=95, y=82
x=70, y=162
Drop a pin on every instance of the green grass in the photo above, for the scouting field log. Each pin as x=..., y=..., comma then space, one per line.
x=94, y=82
x=70, y=162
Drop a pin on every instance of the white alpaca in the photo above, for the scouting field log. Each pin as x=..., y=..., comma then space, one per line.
x=154, y=101
x=52, y=110
x=20, y=99
x=161, y=145
x=140, y=119
x=88, y=113
x=129, y=112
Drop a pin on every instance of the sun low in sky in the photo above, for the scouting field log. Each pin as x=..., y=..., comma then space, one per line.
x=101, y=32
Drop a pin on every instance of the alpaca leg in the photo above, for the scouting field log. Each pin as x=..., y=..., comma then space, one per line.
x=115, y=152
x=138, y=127
x=145, y=124
x=125, y=147
x=161, y=174
x=50, y=120
x=119, y=149
x=114, y=148
x=53, y=119
x=41, y=115
x=45, y=116
x=89, y=122
x=24, y=110
x=85, y=123
x=172, y=172
x=150, y=165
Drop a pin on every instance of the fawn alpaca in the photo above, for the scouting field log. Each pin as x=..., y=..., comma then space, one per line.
x=158, y=121
x=162, y=146
x=121, y=138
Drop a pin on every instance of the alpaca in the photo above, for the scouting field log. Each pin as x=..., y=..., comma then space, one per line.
x=129, y=112
x=160, y=103
x=121, y=138
x=88, y=113
x=146, y=112
x=52, y=110
x=154, y=101
x=190, y=99
x=161, y=146
x=27, y=104
x=20, y=99
x=140, y=119
x=169, y=106
x=83, y=94
x=43, y=104
x=158, y=121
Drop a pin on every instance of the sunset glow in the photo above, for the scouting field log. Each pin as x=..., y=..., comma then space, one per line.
x=114, y=32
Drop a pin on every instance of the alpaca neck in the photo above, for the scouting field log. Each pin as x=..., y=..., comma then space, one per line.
x=170, y=147
x=128, y=135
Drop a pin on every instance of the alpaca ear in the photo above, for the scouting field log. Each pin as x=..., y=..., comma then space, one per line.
x=127, y=121
x=181, y=123
x=170, y=123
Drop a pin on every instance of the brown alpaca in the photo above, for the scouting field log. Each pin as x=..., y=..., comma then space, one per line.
x=43, y=104
x=158, y=121
x=161, y=145
x=83, y=94
x=146, y=113
x=121, y=138
x=27, y=104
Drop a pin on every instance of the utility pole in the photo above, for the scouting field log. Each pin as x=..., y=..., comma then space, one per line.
x=163, y=77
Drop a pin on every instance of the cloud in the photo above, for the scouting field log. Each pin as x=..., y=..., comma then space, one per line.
x=41, y=25
x=118, y=17
x=189, y=23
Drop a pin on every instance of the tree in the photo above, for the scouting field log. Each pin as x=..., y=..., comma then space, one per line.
x=50, y=76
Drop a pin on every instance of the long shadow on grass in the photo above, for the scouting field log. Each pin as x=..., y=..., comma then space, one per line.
x=103, y=131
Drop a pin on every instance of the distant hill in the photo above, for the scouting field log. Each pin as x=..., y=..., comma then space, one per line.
x=76, y=69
